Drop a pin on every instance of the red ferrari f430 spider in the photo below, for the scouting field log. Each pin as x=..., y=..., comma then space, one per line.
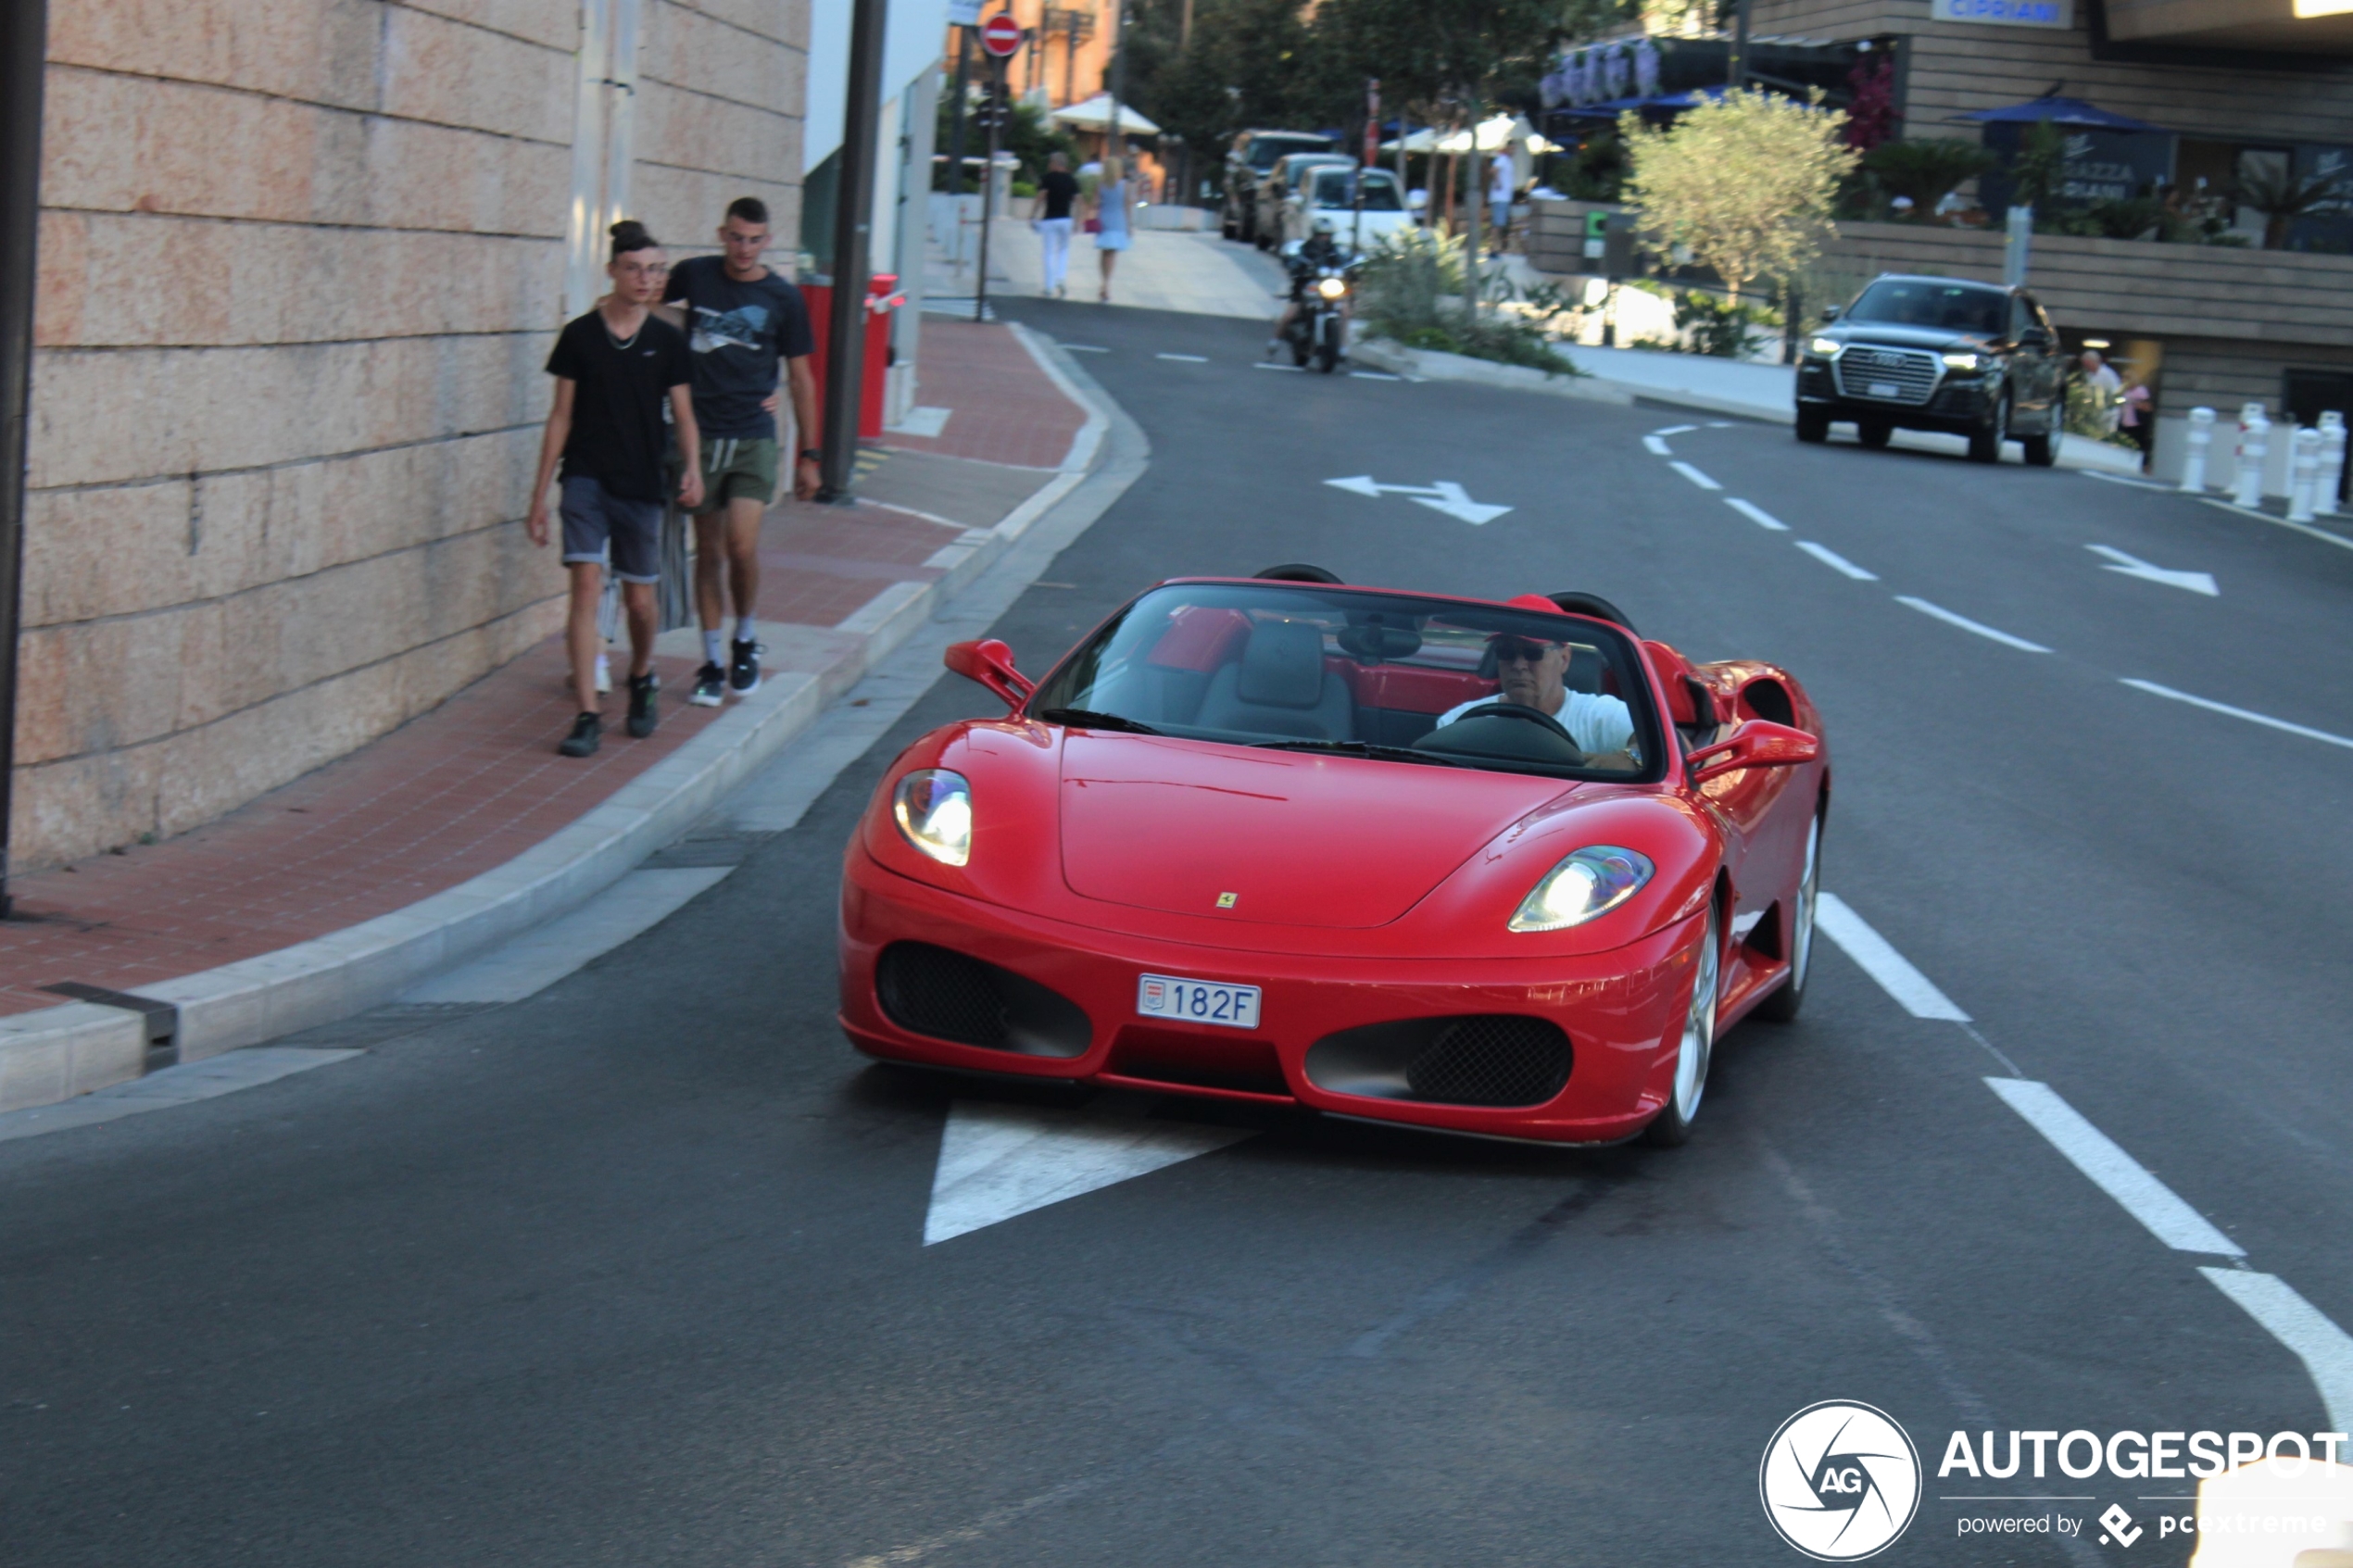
x=1500, y=868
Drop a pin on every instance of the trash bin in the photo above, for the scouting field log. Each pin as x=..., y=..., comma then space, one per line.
x=882, y=298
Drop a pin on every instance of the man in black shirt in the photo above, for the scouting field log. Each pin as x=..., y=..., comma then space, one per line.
x=741, y=319
x=1049, y=215
x=613, y=368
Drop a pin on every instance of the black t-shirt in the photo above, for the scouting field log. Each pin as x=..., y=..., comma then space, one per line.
x=1060, y=188
x=617, y=433
x=737, y=333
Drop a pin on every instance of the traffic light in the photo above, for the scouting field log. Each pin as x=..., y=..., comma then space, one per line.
x=993, y=109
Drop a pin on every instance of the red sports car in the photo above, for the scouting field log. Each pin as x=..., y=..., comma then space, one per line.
x=1494, y=869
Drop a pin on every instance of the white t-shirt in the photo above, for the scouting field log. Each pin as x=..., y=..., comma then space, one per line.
x=1498, y=181
x=1597, y=723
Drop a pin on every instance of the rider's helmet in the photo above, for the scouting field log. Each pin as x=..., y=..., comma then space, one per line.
x=1326, y=227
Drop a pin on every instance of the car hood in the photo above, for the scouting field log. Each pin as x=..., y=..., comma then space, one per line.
x=1295, y=839
x=1904, y=337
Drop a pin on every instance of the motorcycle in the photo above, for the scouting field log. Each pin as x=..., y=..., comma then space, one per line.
x=1318, y=328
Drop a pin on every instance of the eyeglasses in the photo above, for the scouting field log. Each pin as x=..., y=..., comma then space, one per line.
x=1512, y=651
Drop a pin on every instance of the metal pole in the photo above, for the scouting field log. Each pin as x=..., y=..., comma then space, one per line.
x=24, y=46
x=853, y=224
x=989, y=183
x=1114, y=138
x=1737, y=77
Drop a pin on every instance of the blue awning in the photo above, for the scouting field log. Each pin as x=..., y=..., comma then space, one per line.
x=2059, y=111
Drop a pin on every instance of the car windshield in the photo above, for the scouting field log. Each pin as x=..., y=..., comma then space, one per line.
x=1393, y=676
x=1265, y=150
x=1335, y=187
x=1922, y=301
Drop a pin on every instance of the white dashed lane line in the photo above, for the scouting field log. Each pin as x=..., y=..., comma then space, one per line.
x=1268, y=365
x=1757, y=514
x=1085, y=349
x=1694, y=476
x=1672, y=430
x=1836, y=562
x=1656, y=447
x=1185, y=359
x=1966, y=624
x=1374, y=375
x=2303, y=1329
x=2155, y=690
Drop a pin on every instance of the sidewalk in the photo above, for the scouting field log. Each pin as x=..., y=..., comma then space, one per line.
x=1164, y=270
x=475, y=786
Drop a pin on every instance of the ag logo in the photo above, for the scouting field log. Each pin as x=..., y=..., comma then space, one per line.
x=1840, y=1481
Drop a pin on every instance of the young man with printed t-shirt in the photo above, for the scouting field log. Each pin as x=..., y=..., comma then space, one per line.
x=741, y=318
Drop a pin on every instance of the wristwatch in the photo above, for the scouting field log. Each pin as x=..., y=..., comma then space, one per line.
x=811, y=454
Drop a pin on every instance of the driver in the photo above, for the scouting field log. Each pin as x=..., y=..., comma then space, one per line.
x=1320, y=249
x=1535, y=675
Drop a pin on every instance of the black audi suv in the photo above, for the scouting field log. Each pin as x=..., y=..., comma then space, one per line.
x=1970, y=358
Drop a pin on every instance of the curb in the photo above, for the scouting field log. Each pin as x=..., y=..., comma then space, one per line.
x=1427, y=364
x=60, y=1052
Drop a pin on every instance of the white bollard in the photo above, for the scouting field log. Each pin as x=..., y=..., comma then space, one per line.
x=2332, y=464
x=2254, y=446
x=2201, y=436
x=2304, y=474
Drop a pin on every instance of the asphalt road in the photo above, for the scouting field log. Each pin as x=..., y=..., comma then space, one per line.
x=633, y=1271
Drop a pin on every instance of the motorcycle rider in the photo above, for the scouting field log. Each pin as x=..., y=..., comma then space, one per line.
x=1319, y=250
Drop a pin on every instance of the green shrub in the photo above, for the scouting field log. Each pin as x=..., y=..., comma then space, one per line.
x=1410, y=292
x=1927, y=171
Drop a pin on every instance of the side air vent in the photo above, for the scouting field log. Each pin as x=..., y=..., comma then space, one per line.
x=954, y=997
x=1485, y=1058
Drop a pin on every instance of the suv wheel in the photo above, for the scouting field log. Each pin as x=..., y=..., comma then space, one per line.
x=2041, y=451
x=1985, y=441
x=1813, y=425
x=1873, y=432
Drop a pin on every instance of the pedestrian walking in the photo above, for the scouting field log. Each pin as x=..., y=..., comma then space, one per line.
x=1110, y=214
x=744, y=323
x=2105, y=385
x=1049, y=215
x=1499, y=188
x=615, y=367
x=2136, y=417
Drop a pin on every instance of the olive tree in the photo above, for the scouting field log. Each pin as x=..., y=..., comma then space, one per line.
x=1743, y=184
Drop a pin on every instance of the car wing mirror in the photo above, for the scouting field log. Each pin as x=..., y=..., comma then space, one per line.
x=991, y=662
x=1831, y=313
x=1758, y=743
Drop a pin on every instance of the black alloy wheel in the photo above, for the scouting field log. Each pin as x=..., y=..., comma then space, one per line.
x=1985, y=441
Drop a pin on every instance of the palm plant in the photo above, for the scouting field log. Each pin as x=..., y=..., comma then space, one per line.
x=2281, y=195
x=1927, y=171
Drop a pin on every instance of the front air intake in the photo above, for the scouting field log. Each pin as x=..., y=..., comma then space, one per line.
x=954, y=997
x=1497, y=1058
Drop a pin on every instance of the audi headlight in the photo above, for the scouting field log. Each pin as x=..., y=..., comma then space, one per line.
x=934, y=810
x=1828, y=347
x=1591, y=882
x=1331, y=288
x=1965, y=362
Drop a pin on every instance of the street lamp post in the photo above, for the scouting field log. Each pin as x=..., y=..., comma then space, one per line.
x=24, y=47
x=853, y=220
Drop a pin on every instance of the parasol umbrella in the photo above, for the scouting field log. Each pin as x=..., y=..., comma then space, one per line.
x=1094, y=114
x=2059, y=111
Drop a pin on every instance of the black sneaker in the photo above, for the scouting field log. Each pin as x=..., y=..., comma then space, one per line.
x=587, y=732
x=743, y=670
x=642, y=717
x=711, y=687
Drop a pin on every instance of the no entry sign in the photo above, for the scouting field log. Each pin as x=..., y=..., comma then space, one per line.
x=1001, y=35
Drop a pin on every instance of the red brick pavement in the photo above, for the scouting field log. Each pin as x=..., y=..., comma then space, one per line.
x=1003, y=410
x=447, y=795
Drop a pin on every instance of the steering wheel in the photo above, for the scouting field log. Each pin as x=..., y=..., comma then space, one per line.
x=1531, y=715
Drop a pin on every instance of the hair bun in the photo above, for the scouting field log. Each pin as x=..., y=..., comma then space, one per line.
x=627, y=228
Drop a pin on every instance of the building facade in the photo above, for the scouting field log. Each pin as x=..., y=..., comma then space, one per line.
x=300, y=264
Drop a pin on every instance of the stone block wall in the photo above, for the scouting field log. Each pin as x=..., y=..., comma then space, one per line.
x=301, y=262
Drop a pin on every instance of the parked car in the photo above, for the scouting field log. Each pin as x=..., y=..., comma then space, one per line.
x=1927, y=353
x=1247, y=161
x=1330, y=192
x=1280, y=184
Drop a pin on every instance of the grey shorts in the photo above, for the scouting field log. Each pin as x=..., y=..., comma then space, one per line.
x=596, y=521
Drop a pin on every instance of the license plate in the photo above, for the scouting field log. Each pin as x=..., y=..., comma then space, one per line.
x=1197, y=1001
x=1885, y=389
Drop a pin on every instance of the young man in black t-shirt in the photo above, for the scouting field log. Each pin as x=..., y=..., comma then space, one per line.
x=615, y=367
x=741, y=320
x=1049, y=215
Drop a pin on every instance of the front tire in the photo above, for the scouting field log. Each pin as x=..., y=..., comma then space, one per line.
x=1672, y=1126
x=2041, y=451
x=1985, y=441
x=1327, y=358
x=1782, y=1005
x=1813, y=425
x=1874, y=432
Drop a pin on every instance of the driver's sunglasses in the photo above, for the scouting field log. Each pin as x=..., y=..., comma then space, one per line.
x=1513, y=650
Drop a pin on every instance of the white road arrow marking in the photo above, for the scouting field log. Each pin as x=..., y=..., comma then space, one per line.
x=1000, y=1160
x=2133, y=566
x=1444, y=495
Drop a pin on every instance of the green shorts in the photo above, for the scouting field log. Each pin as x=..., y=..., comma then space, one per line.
x=736, y=469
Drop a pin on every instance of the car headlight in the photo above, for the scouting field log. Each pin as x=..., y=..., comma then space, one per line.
x=1963, y=360
x=1828, y=347
x=1591, y=882
x=934, y=810
x=1331, y=288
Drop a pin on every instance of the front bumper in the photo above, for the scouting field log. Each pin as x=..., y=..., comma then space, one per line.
x=1621, y=1011
x=1958, y=404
